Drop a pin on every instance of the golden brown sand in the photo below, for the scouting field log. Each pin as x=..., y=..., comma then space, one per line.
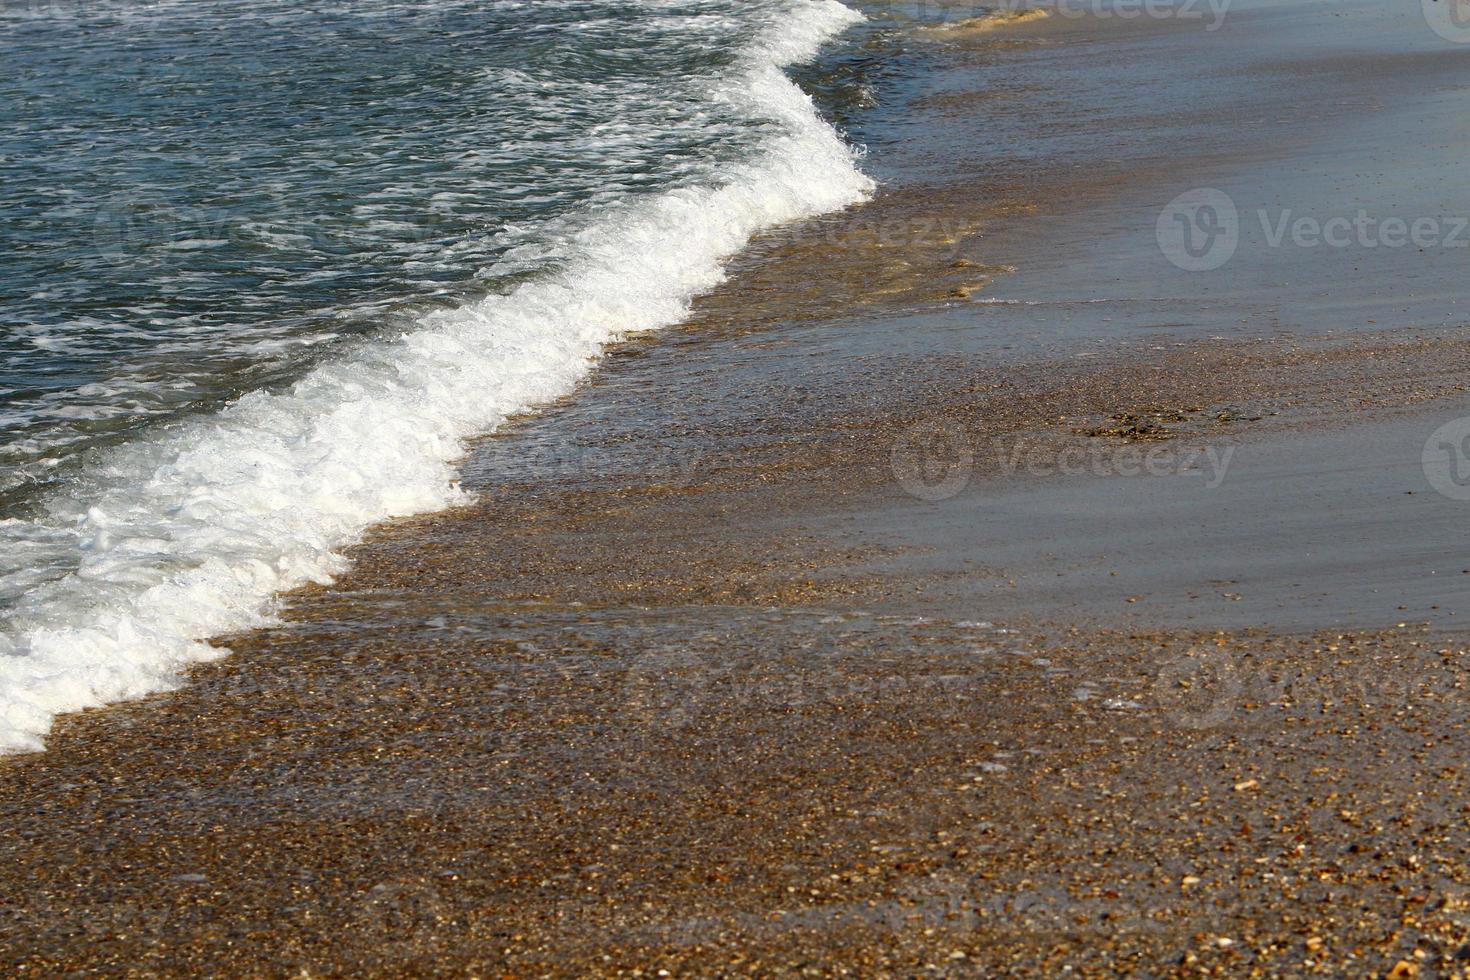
x=620, y=728
x=648, y=715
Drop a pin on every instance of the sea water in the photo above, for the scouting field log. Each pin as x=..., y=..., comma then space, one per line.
x=265, y=266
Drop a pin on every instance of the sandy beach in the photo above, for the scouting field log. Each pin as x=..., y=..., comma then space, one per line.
x=975, y=585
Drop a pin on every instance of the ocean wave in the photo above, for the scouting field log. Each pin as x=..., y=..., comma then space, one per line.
x=191, y=533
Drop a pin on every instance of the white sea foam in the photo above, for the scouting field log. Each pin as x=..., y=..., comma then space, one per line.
x=190, y=534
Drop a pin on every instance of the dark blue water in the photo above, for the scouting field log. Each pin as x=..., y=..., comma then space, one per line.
x=204, y=198
x=268, y=266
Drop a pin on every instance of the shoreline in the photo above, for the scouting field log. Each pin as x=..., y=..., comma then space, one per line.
x=721, y=674
x=627, y=728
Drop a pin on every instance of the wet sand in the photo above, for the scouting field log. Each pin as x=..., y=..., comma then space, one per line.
x=793, y=644
x=648, y=717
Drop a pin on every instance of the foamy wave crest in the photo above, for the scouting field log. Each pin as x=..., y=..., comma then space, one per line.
x=191, y=534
